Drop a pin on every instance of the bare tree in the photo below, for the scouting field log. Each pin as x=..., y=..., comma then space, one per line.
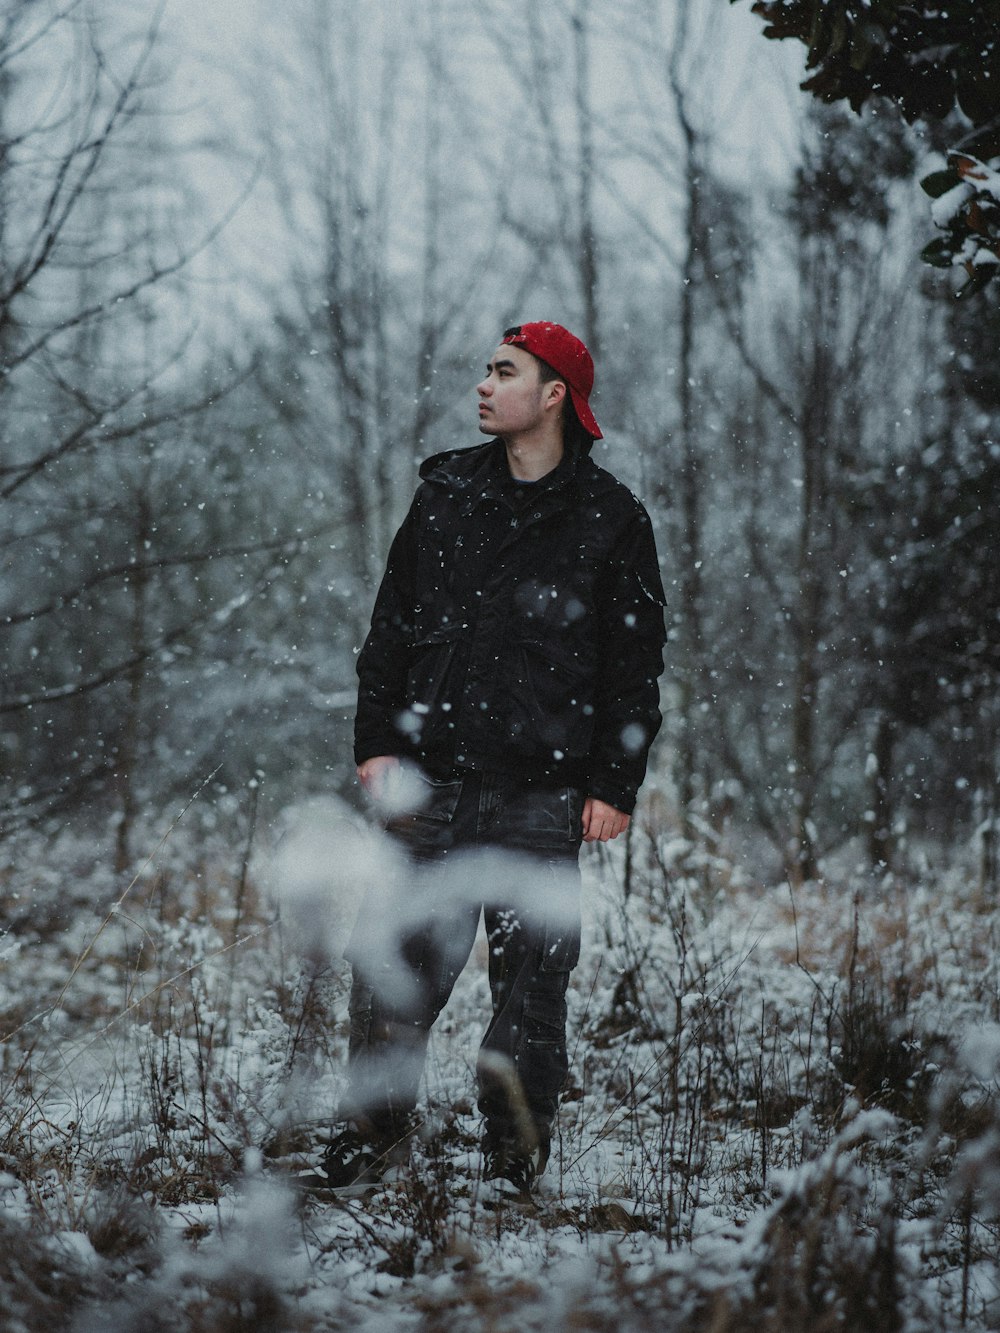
x=95, y=406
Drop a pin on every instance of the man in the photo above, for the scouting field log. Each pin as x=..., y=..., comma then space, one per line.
x=513, y=656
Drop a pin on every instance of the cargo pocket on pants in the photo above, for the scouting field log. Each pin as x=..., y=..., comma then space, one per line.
x=543, y=1060
x=560, y=946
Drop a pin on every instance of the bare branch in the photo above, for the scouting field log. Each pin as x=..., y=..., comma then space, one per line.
x=62, y=201
x=79, y=437
x=128, y=568
x=7, y=55
x=126, y=294
x=737, y=334
x=121, y=668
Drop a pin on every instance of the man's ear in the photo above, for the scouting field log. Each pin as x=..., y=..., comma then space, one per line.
x=555, y=393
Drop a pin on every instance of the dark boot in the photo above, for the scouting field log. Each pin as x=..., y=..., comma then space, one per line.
x=512, y=1163
x=355, y=1162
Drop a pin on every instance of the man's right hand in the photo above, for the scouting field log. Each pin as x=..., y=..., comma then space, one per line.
x=374, y=773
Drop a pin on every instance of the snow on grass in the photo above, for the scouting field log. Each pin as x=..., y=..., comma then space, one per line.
x=781, y=1112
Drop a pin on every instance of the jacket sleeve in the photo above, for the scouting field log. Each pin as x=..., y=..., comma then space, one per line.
x=383, y=664
x=627, y=707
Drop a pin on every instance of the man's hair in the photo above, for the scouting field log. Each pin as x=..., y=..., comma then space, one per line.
x=573, y=432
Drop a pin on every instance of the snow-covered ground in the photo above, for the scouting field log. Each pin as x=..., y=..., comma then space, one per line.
x=782, y=1110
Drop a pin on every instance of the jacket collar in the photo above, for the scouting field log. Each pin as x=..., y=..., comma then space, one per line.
x=481, y=473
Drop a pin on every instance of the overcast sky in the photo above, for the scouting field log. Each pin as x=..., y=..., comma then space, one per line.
x=232, y=73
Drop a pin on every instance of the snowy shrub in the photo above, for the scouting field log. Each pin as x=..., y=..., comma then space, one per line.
x=782, y=1110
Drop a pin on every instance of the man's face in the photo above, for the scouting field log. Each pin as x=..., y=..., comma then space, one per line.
x=512, y=397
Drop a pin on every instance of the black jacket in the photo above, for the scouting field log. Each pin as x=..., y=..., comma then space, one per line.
x=518, y=629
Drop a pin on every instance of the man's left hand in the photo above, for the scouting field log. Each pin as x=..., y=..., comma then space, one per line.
x=602, y=822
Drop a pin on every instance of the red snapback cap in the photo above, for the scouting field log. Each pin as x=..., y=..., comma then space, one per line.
x=568, y=357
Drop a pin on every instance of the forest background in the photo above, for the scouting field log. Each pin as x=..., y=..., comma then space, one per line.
x=251, y=270
x=250, y=273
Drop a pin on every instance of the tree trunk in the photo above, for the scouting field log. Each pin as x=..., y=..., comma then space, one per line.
x=808, y=609
x=690, y=675
x=128, y=747
x=880, y=845
x=588, y=267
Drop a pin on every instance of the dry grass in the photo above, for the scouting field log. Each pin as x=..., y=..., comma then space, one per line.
x=771, y=1122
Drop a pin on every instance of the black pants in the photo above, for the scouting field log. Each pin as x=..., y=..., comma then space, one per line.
x=478, y=842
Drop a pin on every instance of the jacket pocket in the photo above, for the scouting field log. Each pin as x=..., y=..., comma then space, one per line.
x=550, y=704
x=563, y=601
x=430, y=685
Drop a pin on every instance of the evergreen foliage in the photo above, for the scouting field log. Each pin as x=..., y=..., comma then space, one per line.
x=933, y=62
